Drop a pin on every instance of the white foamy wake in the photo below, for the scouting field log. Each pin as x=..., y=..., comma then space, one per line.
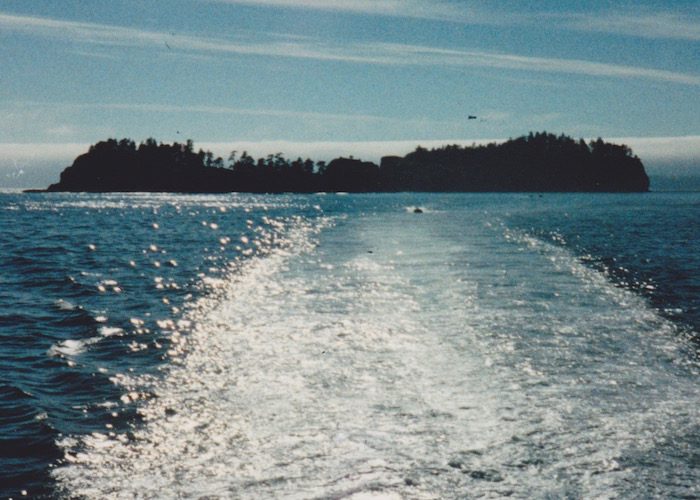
x=436, y=361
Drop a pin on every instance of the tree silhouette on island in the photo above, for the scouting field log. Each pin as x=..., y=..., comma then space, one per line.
x=537, y=162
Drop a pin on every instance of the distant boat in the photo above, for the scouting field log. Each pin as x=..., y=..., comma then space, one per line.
x=472, y=117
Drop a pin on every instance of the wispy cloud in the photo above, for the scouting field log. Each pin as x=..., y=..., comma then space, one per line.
x=281, y=117
x=13, y=152
x=228, y=110
x=658, y=25
x=413, y=54
x=421, y=9
x=79, y=31
x=308, y=48
x=61, y=131
x=679, y=148
x=210, y=110
x=648, y=24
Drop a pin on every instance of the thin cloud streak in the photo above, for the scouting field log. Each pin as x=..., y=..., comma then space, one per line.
x=360, y=53
x=678, y=148
x=419, y=9
x=213, y=110
x=38, y=151
x=658, y=25
x=413, y=54
x=226, y=110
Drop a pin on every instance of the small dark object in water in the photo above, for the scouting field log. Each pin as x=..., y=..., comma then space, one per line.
x=418, y=210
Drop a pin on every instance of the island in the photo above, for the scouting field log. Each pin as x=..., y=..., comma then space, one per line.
x=537, y=162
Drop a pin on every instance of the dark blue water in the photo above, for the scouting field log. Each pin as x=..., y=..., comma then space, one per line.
x=647, y=244
x=111, y=304
x=83, y=282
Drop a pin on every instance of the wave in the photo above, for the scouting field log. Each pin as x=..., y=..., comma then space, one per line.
x=189, y=340
x=28, y=440
x=427, y=359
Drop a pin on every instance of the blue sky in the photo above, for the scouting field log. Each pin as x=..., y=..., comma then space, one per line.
x=324, y=77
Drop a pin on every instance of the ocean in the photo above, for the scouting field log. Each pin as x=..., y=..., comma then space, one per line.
x=344, y=346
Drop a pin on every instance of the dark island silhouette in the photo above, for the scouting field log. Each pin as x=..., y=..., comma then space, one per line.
x=538, y=162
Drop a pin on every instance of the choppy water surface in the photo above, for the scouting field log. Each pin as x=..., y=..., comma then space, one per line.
x=345, y=347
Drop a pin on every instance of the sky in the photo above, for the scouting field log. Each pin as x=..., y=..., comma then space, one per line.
x=323, y=78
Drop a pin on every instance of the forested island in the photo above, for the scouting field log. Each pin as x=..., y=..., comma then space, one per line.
x=537, y=162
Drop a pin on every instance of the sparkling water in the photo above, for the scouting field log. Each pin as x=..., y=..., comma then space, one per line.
x=349, y=346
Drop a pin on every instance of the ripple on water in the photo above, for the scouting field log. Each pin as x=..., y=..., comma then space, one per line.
x=451, y=360
x=70, y=347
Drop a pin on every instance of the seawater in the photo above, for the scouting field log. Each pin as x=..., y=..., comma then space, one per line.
x=343, y=346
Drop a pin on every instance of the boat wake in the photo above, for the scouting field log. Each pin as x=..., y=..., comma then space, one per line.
x=367, y=359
